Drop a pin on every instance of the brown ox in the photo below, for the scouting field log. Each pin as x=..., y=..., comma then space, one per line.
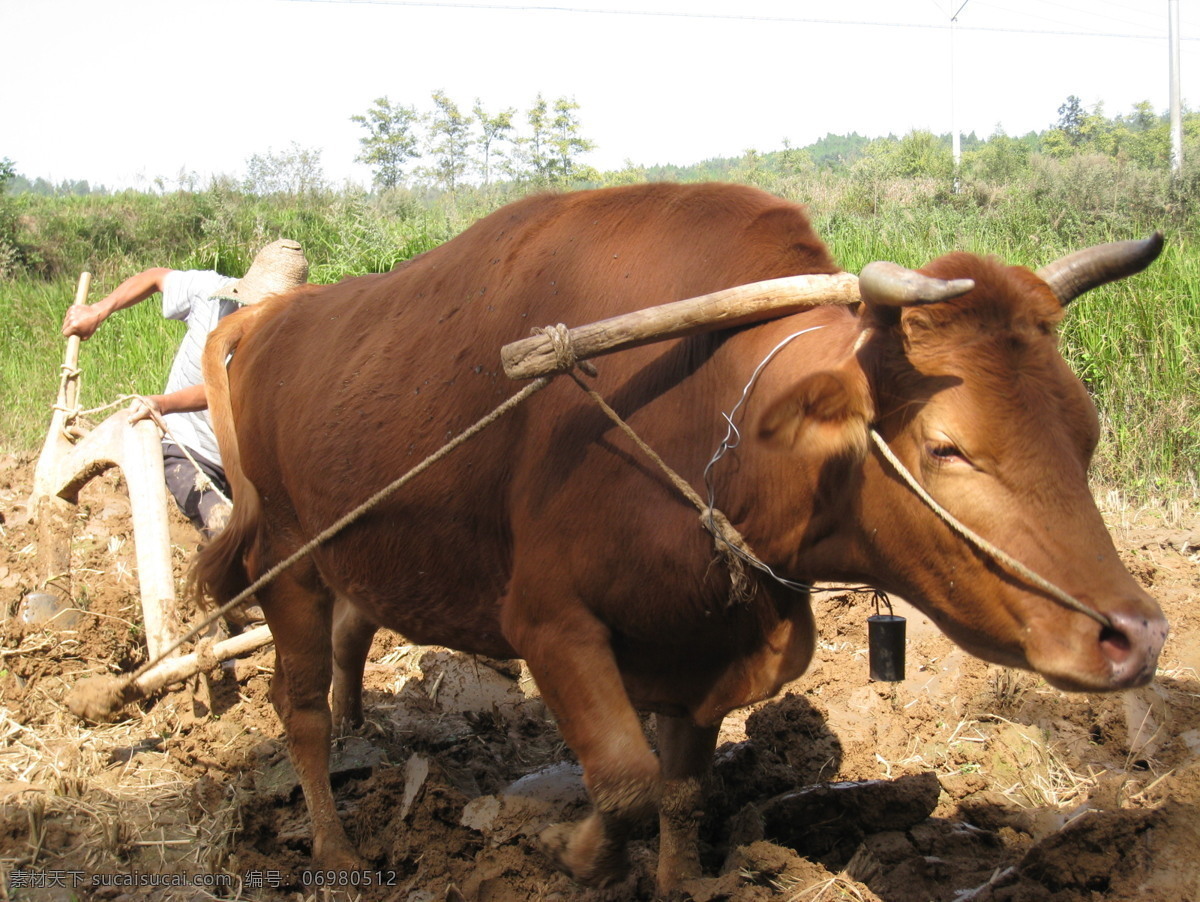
x=551, y=538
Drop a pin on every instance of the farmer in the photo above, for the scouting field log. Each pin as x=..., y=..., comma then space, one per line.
x=200, y=298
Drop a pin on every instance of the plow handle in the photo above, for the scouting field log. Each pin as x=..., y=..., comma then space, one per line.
x=68, y=384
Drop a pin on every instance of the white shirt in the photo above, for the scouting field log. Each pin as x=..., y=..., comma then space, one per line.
x=187, y=296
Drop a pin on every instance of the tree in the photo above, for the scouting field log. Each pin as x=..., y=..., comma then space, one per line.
x=919, y=154
x=566, y=141
x=1143, y=118
x=793, y=161
x=295, y=172
x=1143, y=136
x=1067, y=135
x=492, y=130
x=390, y=142
x=533, y=148
x=1070, y=120
x=11, y=257
x=449, y=138
x=1097, y=132
x=750, y=169
x=835, y=151
x=999, y=160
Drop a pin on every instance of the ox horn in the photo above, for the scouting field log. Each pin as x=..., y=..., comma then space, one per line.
x=1072, y=275
x=886, y=284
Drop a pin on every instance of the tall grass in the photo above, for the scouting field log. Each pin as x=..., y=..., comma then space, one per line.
x=1136, y=345
x=1133, y=343
x=115, y=236
x=129, y=355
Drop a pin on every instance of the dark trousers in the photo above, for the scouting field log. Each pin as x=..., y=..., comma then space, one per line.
x=181, y=477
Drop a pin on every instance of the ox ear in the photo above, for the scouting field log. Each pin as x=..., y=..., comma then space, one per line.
x=917, y=326
x=824, y=414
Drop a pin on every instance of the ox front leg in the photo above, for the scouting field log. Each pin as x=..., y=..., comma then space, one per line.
x=579, y=680
x=686, y=752
x=300, y=621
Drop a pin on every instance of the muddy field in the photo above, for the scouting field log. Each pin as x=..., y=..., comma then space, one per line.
x=963, y=782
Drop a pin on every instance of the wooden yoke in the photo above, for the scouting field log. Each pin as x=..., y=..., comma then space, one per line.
x=550, y=352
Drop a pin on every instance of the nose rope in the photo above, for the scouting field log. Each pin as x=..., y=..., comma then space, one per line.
x=983, y=544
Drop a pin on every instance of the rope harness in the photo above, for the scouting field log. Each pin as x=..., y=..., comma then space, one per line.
x=731, y=546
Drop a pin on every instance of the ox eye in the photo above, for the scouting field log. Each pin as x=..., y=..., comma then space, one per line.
x=945, y=453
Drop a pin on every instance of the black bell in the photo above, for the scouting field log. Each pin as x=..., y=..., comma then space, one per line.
x=885, y=643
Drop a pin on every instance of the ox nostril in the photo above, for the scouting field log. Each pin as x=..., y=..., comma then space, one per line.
x=1115, y=645
x=1130, y=645
x=1133, y=641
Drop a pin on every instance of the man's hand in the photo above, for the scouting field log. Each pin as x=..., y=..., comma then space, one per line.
x=82, y=320
x=144, y=408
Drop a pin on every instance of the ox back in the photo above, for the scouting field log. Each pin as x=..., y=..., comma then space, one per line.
x=551, y=537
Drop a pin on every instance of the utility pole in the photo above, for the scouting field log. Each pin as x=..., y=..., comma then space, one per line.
x=1176, y=115
x=955, y=142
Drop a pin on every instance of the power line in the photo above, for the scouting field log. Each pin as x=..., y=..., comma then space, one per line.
x=1052, y=12
x=501, y=7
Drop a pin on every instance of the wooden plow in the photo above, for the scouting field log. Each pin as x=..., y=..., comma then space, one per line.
x=64, y=467
x=69, y=459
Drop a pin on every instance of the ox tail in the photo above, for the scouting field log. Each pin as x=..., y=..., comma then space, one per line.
x=219, y=570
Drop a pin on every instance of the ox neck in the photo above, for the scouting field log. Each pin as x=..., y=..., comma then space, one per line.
x=717, y=523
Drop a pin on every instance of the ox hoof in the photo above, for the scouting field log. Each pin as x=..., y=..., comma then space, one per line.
x=674, y=873
x=580, y=851
x=340, y=858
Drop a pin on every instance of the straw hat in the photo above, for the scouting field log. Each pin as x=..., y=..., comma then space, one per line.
x=278, y=267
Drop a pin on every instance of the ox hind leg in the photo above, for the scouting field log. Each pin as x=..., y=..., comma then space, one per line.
x=352, y=637
x=573, y=664
x=299, y=610
x=686, y=752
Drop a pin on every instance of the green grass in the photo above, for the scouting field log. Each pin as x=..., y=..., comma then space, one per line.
x=115, y=236
x=1134, y=343
x=129, y=355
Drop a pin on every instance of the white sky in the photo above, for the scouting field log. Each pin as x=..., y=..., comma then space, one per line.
x=120, y=92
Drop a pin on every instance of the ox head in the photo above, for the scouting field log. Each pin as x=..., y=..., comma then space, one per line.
x=957, y=370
